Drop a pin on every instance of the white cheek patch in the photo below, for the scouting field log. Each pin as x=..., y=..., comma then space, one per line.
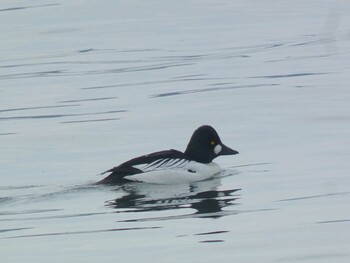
x=217, y=149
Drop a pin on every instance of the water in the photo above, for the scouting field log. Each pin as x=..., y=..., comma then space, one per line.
x=87, y=85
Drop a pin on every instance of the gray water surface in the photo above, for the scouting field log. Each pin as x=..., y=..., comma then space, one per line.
x=85, y=85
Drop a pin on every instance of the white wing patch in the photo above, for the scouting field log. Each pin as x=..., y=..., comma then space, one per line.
x=174, y=171
x=162, y=164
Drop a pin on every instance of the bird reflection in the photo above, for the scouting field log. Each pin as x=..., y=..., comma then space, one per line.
x=204, y=197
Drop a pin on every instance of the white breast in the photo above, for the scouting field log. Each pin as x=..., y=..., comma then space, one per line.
x=187, y=173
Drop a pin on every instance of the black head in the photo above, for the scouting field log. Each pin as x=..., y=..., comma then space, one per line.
x=205, y=145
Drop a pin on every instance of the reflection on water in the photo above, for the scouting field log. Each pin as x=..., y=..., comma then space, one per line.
x=138, y=202
x=204, y=197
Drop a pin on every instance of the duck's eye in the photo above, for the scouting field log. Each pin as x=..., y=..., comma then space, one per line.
x=212, y=143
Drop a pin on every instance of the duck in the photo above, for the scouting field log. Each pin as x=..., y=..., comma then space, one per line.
x=173, y=166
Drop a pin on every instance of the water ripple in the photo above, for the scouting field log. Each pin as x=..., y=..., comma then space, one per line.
x=292, y=75
x=93, y=120
x=7, y=133
x=334, y=221
x=65, y=73
x=50, y=116
x=313, y=196
x=174, y=93
x=38, y=108
x=26, y=7
x=32, y=211
x=65, y=233
x=14, y=229
x=83, y=100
